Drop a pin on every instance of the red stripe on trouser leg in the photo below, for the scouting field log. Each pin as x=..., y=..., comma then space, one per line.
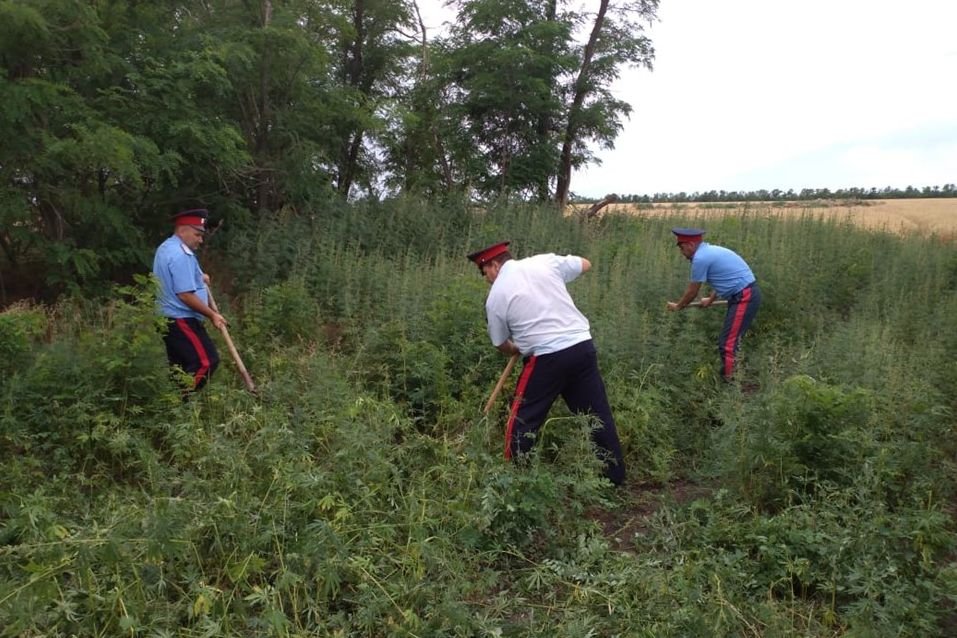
x=200, y=350
x=735, y=333
x=517, y=402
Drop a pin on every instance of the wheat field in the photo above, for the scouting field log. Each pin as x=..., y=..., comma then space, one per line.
x=932, y=216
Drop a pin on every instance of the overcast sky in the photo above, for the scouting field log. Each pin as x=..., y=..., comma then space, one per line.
x=752, y=94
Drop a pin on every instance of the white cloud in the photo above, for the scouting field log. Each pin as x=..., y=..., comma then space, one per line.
x=915, y=158
x=750, y=94
x=746, y=86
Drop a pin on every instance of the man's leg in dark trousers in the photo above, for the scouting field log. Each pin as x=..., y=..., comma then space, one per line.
x=742, y=309
x=189, y=347
x=574, y=374
x=537, y=388
x=585, y=394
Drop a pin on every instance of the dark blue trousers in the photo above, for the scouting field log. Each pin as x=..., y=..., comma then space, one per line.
x=572, y=373
x=742, y=307
x=189, y=347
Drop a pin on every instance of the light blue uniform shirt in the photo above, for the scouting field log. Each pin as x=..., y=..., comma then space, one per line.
x=722, y=268
x=529, y=304
x=177, y=269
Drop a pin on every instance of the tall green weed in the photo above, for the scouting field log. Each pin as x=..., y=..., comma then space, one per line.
x=21, y=327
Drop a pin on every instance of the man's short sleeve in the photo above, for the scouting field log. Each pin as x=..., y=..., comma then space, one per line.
x=182, y=274
x=570, y=267
x=497, y=326
x=700, y=266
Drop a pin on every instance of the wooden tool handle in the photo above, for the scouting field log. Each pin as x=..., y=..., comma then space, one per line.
x=247, y=379
x=716, y=302
x=501, y=382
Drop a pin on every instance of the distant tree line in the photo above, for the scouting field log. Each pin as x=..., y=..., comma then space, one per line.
x=116, y=113
x=778, y=195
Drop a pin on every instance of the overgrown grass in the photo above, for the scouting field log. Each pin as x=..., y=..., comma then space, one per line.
x=363, y=493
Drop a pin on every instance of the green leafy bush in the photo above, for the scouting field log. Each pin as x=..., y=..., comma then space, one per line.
x=284, y=311
x=20, y=328
x=410, y=372
x=803, y=435
x=80, y=392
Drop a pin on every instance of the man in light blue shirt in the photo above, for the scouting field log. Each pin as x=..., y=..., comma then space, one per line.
x=530, y=313
x=730, y=278
x=184, y=299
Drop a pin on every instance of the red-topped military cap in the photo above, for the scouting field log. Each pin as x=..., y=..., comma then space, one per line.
x=693, y=235
x=485, y=255
x=195, y=217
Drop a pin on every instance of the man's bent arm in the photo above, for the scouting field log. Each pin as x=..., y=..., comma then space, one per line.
x=690, y=293
x=192, y=300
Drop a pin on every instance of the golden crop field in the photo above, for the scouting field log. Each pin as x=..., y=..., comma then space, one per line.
x=922, y=216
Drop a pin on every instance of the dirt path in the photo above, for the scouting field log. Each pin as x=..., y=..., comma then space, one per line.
x=639, y=503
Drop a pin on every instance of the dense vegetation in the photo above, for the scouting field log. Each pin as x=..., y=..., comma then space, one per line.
x=364, y=494
x=117, y=113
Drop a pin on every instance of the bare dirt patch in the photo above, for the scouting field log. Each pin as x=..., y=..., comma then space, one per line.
x=921, y=216
x=640, y=502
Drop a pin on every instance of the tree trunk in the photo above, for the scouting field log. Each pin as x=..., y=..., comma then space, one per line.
x=545, y=122
x=595, y=208
x=347, y=171
x=437, y=146
x=352, y=75
x=264, y=181
x=581, y=92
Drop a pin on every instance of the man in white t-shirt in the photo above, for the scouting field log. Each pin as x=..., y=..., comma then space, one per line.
x=531, y=313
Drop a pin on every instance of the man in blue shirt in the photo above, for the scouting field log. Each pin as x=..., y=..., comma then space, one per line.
x=184, y=299
x=730, y=278
x=530, y=313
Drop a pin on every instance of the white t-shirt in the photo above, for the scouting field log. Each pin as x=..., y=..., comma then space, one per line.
x=529, y=304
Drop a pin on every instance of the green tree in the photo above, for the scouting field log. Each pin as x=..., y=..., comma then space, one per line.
x=529, y=97
x=373, y=46
x=281, y=95
x=506, y=61
x=67, y=169
x=114, y=113
x=594, y=115
x=419, y=131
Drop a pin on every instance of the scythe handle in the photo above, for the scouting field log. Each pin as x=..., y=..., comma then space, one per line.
x=501, y=382
x=247, y=379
